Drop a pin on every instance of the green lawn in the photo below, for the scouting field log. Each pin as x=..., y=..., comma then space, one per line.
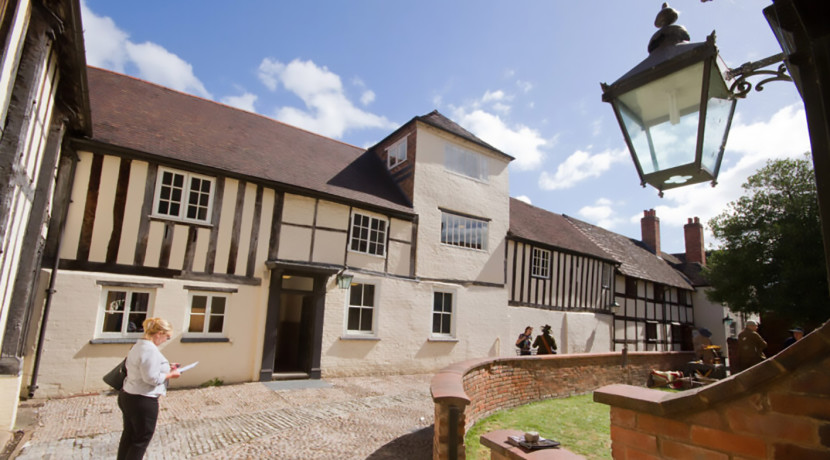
x=580, y=424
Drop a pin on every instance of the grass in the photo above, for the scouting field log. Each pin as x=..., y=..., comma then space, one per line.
x=580, y=424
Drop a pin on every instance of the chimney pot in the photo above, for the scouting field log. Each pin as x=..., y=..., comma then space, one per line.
x=693, y=235
x=650, y=228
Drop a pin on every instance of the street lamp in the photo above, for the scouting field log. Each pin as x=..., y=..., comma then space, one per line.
x=676, y=106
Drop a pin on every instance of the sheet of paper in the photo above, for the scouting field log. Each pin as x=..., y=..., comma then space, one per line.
x=188, y=367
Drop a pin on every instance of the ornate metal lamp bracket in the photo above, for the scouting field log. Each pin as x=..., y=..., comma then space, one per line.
x=741, y=87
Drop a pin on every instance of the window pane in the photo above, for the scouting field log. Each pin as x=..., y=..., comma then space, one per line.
x=199, y=304
x=217, y=306
x=216, y=323
x=366, y=319
x=136, y=322
x=436, y=323
x=112, y=322
x=354, y=319
x=369, y=295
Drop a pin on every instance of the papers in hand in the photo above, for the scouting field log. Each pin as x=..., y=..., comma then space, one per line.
x=184, y=369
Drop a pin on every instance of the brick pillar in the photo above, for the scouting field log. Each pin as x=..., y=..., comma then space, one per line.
x=693, y=232
x=650, y=226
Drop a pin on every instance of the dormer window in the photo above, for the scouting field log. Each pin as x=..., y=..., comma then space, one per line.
x=466, y=162
x=396, y=154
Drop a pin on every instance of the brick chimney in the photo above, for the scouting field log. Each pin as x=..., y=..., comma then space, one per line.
x=693, y=232
x=650, y=226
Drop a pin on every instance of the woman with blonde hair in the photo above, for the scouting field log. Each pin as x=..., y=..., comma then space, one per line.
x=147, y=374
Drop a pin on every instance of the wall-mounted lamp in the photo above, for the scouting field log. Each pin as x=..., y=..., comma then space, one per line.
x=344, y=279
x=615, y=307
x=728, y=320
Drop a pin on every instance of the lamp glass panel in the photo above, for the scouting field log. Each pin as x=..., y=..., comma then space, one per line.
x=661, y=119
x=718, y=112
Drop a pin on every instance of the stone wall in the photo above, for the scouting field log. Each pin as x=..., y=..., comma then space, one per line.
x=467, y=391
x=778, y=409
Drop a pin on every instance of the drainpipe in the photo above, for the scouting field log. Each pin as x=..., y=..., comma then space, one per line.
x=51, y=289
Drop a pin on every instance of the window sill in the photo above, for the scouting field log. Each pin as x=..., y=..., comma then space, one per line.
x=197, y=223
x=205, y=340
x=442, y=339
x=114, y=340
x=360, y=337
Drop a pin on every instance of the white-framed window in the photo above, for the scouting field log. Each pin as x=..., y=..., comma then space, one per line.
x=123, y=311
x=207, y=313
x=396, y=154
x=368, y=235
x=183, y=196
x=467, y=232
x=540, y=263
x=466, y=162
x=443, y=313
x=361, y=314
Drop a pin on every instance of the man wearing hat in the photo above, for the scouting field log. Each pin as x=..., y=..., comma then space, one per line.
x=797, y=334
x=545, y=343
x=750, y=347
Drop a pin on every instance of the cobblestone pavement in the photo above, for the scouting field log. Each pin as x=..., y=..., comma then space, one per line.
x=377, y=418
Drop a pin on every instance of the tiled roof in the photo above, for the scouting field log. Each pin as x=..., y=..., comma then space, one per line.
x=437, y=120
x=692, y=270
x=637, y=261
x=151, y=119
x=536, y=224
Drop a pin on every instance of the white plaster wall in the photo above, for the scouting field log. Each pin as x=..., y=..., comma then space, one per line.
x=329, y=247
x=437, y=188
x=9, y=388
x=132, y=220
x=102, y=227
x=575, y=332
x=710, y=315
x=298, y=209
x=72, y=365
x=404, y=343
x=332, y=215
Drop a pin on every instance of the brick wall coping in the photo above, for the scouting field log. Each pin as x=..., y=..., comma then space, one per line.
x=815, y=345
x=497, y=442
x=448, y=383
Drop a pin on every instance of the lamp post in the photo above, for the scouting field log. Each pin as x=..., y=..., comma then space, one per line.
x=675, y=108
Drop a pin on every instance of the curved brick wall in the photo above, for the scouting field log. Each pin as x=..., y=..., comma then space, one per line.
x=468, y=391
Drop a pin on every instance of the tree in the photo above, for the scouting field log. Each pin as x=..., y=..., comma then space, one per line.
x=771, y=259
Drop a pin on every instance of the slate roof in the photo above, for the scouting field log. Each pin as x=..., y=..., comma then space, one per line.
x=151, y=119
x=692, y=270
x=536, y=224
x=636, y=260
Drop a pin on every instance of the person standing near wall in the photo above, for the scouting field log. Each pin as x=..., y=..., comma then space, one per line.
x=147, y=374
x=545, y=343
x=797, y=334
x=750, y=346
x=523, y=342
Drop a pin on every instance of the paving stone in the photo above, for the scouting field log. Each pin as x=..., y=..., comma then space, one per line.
x=356, y=417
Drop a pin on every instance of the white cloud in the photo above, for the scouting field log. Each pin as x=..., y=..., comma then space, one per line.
x=367, y=97
x=244, y=101
x=602, y=213
x=158, y=65
x=581, y=165
x=519, y=141
x=497, y=95
x=328, y=111
x=748, y=148
x=524, y=86
x=109, y=47
x=524, y=198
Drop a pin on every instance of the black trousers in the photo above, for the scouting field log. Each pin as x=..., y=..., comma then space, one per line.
x=140, y=414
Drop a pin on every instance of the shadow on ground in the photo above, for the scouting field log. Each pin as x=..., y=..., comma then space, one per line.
x=413, y=446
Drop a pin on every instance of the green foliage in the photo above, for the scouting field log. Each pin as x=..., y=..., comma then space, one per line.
x=214, y=382
x=580, y=424
x=772, y=259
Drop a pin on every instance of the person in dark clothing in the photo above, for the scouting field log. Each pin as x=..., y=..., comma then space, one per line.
x=523, y=342
x=797, y=334
x=545, y=343
x=750, y=346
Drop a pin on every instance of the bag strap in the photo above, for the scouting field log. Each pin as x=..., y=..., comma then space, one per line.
x=545, y=342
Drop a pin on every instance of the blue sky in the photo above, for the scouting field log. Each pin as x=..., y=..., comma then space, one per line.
x=522, y=75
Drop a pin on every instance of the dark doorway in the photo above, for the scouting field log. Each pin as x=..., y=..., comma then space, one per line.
x=294, y=325
x=294, y=333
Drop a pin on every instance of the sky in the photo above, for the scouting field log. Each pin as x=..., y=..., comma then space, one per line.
x=523, y=76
